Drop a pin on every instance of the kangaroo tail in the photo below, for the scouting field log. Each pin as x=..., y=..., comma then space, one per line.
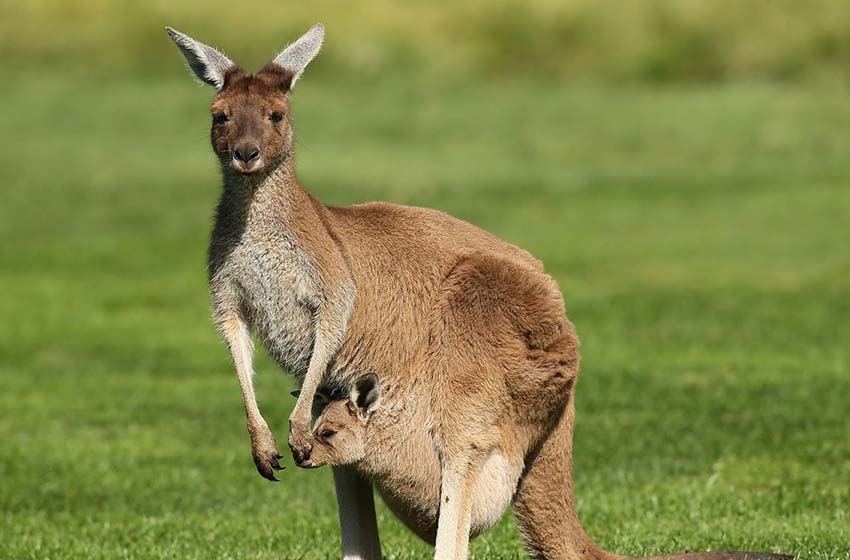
x=722, y=556
x=545, y=511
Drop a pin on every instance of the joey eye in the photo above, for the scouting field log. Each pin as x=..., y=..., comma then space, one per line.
x=327, y=434
x=276, y=117
x=220, y=118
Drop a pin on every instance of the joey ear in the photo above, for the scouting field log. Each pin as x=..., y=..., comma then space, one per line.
x=298, y=55
x=321, y=397
x=206, y=63
x=365, y=395
x=320, y=400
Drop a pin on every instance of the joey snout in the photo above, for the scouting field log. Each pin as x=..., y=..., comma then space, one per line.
x=318, y=456
x=310, y=461
x=302, y=456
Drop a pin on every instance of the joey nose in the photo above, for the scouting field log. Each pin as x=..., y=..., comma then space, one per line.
x=302, y=456
x=246, y=153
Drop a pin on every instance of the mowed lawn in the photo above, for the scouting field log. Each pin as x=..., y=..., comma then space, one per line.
x=701, y=237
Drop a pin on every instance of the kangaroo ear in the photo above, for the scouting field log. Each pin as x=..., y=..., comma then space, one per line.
x=206, y=63
x=365, y=395
x=298, y=55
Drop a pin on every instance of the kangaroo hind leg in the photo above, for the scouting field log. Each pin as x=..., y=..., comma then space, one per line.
x=544, y=506
x=458, y=485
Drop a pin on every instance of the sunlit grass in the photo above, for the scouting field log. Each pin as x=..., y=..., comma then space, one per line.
x=699, y=235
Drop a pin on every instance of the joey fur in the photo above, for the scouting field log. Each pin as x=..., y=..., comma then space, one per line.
x=466, y=332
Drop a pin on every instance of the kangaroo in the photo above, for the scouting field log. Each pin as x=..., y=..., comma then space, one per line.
x=469, y=326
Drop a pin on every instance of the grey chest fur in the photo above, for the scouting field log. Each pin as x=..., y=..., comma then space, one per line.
x=278, y=291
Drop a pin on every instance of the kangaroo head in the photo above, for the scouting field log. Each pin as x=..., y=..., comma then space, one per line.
x=340, y=432
x=251, y=130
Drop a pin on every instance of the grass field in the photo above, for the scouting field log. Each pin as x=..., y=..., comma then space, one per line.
x=701, y=236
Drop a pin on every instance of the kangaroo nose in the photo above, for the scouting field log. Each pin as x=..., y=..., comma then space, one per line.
x=246, y=153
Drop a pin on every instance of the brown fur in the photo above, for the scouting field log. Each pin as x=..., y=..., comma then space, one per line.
x=248, y=103
x=464, y=329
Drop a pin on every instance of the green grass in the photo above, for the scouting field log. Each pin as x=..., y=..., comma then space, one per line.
x=700, y=236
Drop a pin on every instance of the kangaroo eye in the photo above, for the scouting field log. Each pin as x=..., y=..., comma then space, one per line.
x=276, y=117
x=327, y=434
x=220, y=118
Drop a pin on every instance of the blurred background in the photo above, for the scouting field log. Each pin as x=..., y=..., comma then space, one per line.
x=682, y=167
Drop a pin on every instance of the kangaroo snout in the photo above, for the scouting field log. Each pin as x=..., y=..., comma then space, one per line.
x=246, y=152
x=246, y=157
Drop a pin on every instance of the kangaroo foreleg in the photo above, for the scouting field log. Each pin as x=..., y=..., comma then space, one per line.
x=263, y=446
x=331, y=324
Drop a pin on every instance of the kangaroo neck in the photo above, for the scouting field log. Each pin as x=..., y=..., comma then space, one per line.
x=269, y=197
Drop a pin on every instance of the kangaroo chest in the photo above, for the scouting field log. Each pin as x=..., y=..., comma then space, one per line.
x=276, y=286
